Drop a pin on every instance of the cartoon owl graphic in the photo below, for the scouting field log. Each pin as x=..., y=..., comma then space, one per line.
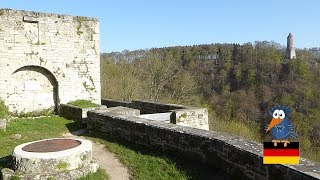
x=280, y=125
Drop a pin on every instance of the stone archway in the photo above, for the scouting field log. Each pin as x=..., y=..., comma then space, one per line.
x=32, y=88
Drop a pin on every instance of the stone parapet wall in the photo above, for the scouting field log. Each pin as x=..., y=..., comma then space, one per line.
x=180, y=114
x=195, y=117
x=234, y=155
x=145, y=107
x=115, y=103
x=75, y=113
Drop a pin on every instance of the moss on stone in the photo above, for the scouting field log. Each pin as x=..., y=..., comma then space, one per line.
x=80, y=21
x=62, y=165
x=15, y=178
x=84, y=157
x=184, y=115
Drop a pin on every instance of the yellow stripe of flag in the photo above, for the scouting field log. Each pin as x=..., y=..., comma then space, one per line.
x=281, y=160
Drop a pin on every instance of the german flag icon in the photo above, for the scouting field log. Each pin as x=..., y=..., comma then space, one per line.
x=280, y=154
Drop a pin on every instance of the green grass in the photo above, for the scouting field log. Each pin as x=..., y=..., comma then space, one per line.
x=81, y=103
x=141, y=165
x=99, y=175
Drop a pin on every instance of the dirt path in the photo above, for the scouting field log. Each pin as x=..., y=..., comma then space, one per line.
x=107, y=160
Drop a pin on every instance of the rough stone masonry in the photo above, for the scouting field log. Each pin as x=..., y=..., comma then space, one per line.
x=47, y=59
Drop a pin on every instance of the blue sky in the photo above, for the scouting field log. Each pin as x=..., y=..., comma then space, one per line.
x=143, y=24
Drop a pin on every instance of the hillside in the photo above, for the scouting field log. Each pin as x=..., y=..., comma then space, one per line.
x=237, y=83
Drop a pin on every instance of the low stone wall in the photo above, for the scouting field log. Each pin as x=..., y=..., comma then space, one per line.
x=75, y=113
x=115, y=103
x=182, y=115
x=145, y=107
x=235, y=156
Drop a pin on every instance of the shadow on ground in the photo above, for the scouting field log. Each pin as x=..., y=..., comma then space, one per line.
x=5, y=162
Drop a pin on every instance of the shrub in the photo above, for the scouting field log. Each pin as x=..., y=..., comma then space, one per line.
x=239, y=129
x=81, y=103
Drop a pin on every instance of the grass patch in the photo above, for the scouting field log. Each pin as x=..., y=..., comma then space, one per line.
x=99, y=175
x=81, y=103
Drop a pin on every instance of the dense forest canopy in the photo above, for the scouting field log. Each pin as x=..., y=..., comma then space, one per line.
x=237, y=83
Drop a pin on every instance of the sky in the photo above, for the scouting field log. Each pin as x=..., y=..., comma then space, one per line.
x=144, y=24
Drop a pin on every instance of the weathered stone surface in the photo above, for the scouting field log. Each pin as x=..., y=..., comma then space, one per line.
x=179, y=114
x=145, y=107
x=165, y=117
x=121, y=110
x=65, y=164
x=234, y=155
x=192, y=117
x=3, y=124
x=48, y=59
x=8, y=174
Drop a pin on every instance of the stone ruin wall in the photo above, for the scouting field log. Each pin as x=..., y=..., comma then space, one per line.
x=47, y=59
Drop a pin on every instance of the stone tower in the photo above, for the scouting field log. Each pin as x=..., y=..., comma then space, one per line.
x=47, y=59
x=290, y=52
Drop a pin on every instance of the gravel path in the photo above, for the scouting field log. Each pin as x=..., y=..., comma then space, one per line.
x=107, y=160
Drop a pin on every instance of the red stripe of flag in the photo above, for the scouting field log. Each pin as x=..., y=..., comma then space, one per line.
x=281, y=152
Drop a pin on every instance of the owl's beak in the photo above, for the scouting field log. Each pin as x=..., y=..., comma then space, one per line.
x=273, y=123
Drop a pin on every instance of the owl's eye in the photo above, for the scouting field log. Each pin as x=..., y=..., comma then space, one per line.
x=275, y=114
x=281, y=114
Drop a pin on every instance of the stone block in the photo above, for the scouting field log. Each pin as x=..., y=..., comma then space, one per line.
x=193, y=117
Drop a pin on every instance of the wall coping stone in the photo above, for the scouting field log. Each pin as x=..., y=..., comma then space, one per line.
x=42, y=14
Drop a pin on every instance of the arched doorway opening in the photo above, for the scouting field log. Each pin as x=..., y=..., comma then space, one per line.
x=33, y=88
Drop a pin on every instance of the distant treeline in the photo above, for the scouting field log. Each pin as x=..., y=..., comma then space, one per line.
x=237, y=83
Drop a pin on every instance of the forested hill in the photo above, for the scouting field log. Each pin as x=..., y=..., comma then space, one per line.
x=200, y=52
x=238, y=83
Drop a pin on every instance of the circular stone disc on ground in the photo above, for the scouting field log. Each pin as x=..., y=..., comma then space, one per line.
x=51, y=145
